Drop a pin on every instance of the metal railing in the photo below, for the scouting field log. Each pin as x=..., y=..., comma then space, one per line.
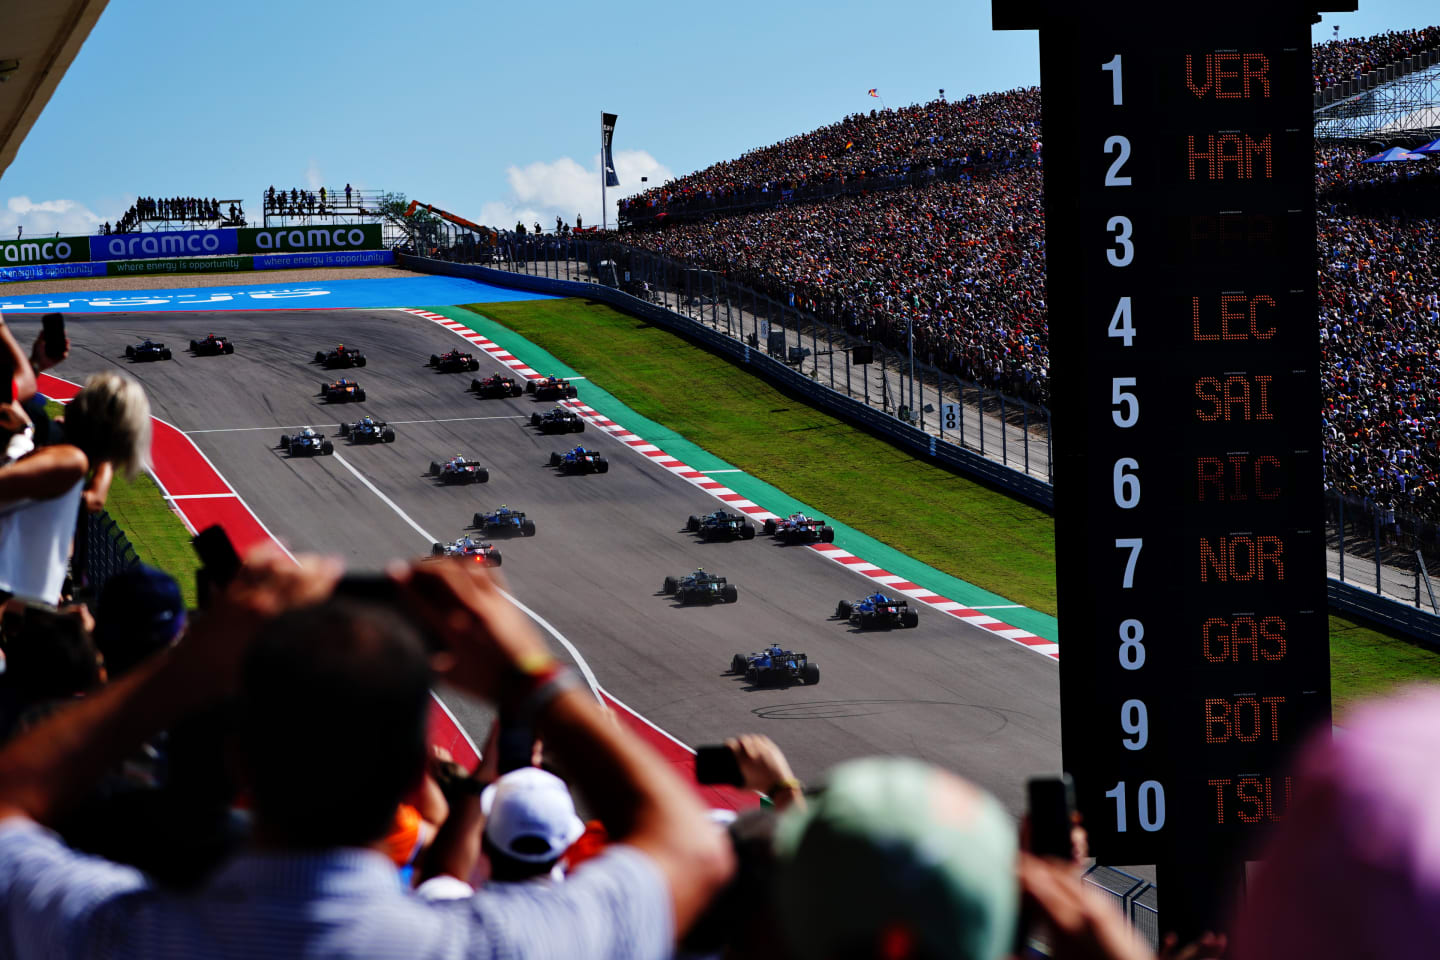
x=101, y=551
x=1137, y=900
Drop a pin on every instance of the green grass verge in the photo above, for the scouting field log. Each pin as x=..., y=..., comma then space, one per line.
x=934, y=516
x=155, y=531
x=1365, y=661
x=939, y=518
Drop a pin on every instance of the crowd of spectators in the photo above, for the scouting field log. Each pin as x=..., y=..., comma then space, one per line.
x=297, y=202
x=963, y=262
x=1339, y=60
x=196, y=209
x=862, y=149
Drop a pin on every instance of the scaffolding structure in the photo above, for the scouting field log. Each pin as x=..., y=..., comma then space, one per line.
x=1399, y=102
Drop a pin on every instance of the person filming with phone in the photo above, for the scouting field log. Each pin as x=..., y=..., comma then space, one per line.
x=314, y=882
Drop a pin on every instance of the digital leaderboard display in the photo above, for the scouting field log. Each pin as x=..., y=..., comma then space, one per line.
x=1179, y=172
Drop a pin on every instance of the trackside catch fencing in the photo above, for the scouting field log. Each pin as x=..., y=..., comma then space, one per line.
x=1379, y=562
x=101, y=551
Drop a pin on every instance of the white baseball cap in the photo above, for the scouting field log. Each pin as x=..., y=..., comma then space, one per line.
x=530, y=804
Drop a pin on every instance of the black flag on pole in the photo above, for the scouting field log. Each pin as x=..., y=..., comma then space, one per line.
x=607, y=135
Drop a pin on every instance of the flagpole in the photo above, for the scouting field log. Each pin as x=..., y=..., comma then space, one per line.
x=604, y=207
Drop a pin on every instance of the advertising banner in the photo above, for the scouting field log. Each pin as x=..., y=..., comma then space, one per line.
x=15, y=253
x=178, y=243
x=130, y=268
x=51, y=271
x=360, y=258
x=607, y=137
x=359, y=236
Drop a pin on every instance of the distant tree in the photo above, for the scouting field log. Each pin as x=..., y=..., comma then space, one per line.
x=421, y=228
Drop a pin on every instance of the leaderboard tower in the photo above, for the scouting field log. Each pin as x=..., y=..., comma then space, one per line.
x=1180, y=234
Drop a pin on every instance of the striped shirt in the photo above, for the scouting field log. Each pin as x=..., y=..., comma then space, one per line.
x=340, y=903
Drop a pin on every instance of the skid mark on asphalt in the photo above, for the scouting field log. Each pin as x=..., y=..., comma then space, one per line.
x=971, y=615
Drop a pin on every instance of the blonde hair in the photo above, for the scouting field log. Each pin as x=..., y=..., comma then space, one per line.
x=109, y=419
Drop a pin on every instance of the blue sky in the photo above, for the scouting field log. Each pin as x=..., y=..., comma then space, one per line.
x=487, y=109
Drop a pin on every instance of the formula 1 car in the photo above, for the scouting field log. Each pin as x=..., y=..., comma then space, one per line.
x=342, y=357
x=798, y=528
x=580, y=460
x=496, y=387
x=342, y=391
x=701, y=587
x=721, y=525
x=148, y=350
x=306, y=443
x=877, y=610
x=504, y=522
x=368, y=430
x=558, y=420
x=211, y=345
x=551, y=388
x=459, y=470
x=775, y=666
x=468, y=548
x=454, y=361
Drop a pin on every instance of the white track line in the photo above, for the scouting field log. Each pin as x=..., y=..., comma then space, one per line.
x=642, y=718
x=298, y=426
x=201, y=496
x=431, y=538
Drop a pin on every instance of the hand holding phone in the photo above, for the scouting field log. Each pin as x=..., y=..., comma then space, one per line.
x=53, y=336
x=717, y=764
x=1052, y=816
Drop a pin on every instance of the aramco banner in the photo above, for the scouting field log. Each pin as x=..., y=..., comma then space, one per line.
x=178, y=243
x=607, y=137
x=14, y=253
x=359, y=236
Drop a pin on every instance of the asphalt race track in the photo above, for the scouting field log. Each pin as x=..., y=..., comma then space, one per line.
x=946, y=692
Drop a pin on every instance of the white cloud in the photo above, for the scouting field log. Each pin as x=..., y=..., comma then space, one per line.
x=542, y=191
x=313, y=179
x=68, y=217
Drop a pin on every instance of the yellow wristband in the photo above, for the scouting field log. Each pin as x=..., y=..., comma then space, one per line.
x=533, y=664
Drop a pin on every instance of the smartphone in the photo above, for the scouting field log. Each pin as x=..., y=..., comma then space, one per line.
x=218, y=557
x=54, y=333
x=514, y=745
x=1052, y=815
x=717, y=764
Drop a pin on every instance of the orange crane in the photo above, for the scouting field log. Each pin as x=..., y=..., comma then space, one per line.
x=459, y=221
